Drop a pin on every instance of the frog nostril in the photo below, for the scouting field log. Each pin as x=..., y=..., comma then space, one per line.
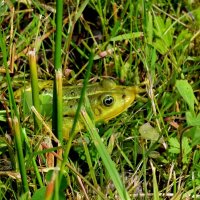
x=123, y=96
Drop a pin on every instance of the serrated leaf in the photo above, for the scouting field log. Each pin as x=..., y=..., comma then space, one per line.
x=174, y=146
x=192, y=119
x=186, y=149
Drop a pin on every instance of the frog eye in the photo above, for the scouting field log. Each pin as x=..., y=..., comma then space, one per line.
x=108, y=100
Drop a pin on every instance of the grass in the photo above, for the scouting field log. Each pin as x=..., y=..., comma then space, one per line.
x=151, y=151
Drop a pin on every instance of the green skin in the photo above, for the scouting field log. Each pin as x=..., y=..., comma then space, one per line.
x=106, y=100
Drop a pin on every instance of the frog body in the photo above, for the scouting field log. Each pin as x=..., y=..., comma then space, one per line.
x=107, y=100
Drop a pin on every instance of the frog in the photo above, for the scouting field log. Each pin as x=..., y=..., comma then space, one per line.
x=107, y=100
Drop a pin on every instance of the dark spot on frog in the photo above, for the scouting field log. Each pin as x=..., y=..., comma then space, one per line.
x=123, y=96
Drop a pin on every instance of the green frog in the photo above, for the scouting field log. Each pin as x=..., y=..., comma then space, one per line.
x=107, y=100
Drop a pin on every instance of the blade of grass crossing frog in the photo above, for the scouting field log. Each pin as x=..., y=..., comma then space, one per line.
x=109, y=164
x=88, y=108
x=83, y=91
x=72, y=132
x=58, y=105
x=57, y=93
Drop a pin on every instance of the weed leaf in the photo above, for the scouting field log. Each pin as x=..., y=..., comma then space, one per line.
x=186, y=91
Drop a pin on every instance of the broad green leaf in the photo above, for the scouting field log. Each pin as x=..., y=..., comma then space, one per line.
x=46, y=104
x=186, y=92
x=39, y=194
x=194, y=133
x=147, y=132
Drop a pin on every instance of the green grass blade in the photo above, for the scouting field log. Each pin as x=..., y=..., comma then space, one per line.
x=109, y=164
x=81, y=9
x=72, y=133
x=155, y=184
x=89, y=161
x=34, y=86
x=57, y=94
x=33, y=159
x=15, y=118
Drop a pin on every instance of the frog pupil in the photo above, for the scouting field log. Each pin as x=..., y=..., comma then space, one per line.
x=108, y=101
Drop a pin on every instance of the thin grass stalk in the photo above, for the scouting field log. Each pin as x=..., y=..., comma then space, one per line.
x=13, y=107
x=37, y=173
x=72, y=22
x=33, y=159
x=135, y=148
x=109, y=164
x=155, y=184
x=15, y=118
x=144, y=10
x=100, y=194
x=57, y=93
x=57, y=118
x=131, y=13
x=20, y=155
x=59, y=104
x=144, y=169
x=34, y=86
